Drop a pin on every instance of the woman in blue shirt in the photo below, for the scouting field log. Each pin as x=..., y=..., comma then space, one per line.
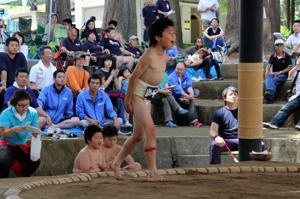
x=15, y=121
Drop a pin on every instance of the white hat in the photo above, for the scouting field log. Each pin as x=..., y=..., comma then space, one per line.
x=278, y=41
x=133, y=37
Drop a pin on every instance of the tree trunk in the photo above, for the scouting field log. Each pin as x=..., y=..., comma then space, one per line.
x=288, y=13
x=177, y=21
x=292, y=12
x=232, y=29
x=271, y=23
x=61, y=7
x=124, y=12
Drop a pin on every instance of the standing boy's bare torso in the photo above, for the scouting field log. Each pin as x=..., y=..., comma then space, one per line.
x=156, y=65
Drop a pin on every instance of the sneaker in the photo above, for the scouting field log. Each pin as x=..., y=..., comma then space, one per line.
x=182, y=111
x=197, y=124
x=297, y=127
x=220, y=78
x=124, y=132
x=269, y=125
x=171, y=124
x=127, y=124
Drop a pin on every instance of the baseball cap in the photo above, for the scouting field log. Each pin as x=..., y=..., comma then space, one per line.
x=132, y=37
x=278, y=41
x=79, y=54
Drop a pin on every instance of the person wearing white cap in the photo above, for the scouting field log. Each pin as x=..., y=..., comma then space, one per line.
x=280, y=63
x=133, y=46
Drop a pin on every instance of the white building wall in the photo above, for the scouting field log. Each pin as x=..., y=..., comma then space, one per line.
x=84, y=9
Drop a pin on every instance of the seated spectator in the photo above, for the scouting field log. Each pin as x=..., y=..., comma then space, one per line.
x=292, y=105
x=21, y=82
x=200, y=62
x=41, y=74
x=23, y=47
x=10, y=62
x=115, y=48
x=280, y=63
x=69, y=46
x=91, y=46
x=13, y=138
x=293, y=40
x=112, y=88
x=90, y=27
x=133, y=47
x=57, y=101
x=184, y=93
x=165, y=98
x=111, y=150
x=52, y=23
x=121, y=84
x=77, y=77
x=172, y=53
x=192, y=50
x=93, y=105
x=224, y=126
x=91, y=157
x=213, y=35
x=113, y=24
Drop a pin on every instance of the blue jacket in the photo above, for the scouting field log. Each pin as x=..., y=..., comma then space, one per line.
x=58, y=105
x=86, y=107
x=180, y=86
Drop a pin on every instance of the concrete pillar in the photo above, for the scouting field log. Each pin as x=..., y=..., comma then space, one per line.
x=250, y=78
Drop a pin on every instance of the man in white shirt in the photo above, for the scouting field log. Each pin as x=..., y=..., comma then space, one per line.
x=208, y=10
x=293, y=40
x=41, y=74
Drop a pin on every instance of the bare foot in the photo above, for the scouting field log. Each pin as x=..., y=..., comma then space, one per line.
x=117, y=170
x=155, y=177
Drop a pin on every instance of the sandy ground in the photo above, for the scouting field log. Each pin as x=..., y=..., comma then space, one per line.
x=223, y=186
x=231, y=186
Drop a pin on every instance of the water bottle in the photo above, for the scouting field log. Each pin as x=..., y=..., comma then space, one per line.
x=87, y=58
x=35, y=148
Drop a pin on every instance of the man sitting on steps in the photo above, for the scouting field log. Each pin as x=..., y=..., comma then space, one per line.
x=292, y=105
x=224, y=126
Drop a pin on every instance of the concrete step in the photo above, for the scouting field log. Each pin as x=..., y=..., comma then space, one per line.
x=213, y=89
x=206, y=108
x=229, y=71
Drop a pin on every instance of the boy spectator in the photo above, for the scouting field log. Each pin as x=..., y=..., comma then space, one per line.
x=208, y=10
x=292, y=105
x=164, y=8
x=115, y=48
x=77, y=77
x=57, y=101
x=21, y=82
x=280, y=63
x=111, y=150
x=224, y=126
x=13, y=140
x=184, y=92
x=93, y=105
x=41, y=74
x=91, y=45
x=150, y=14
x=90, y=158
x=213, y=35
